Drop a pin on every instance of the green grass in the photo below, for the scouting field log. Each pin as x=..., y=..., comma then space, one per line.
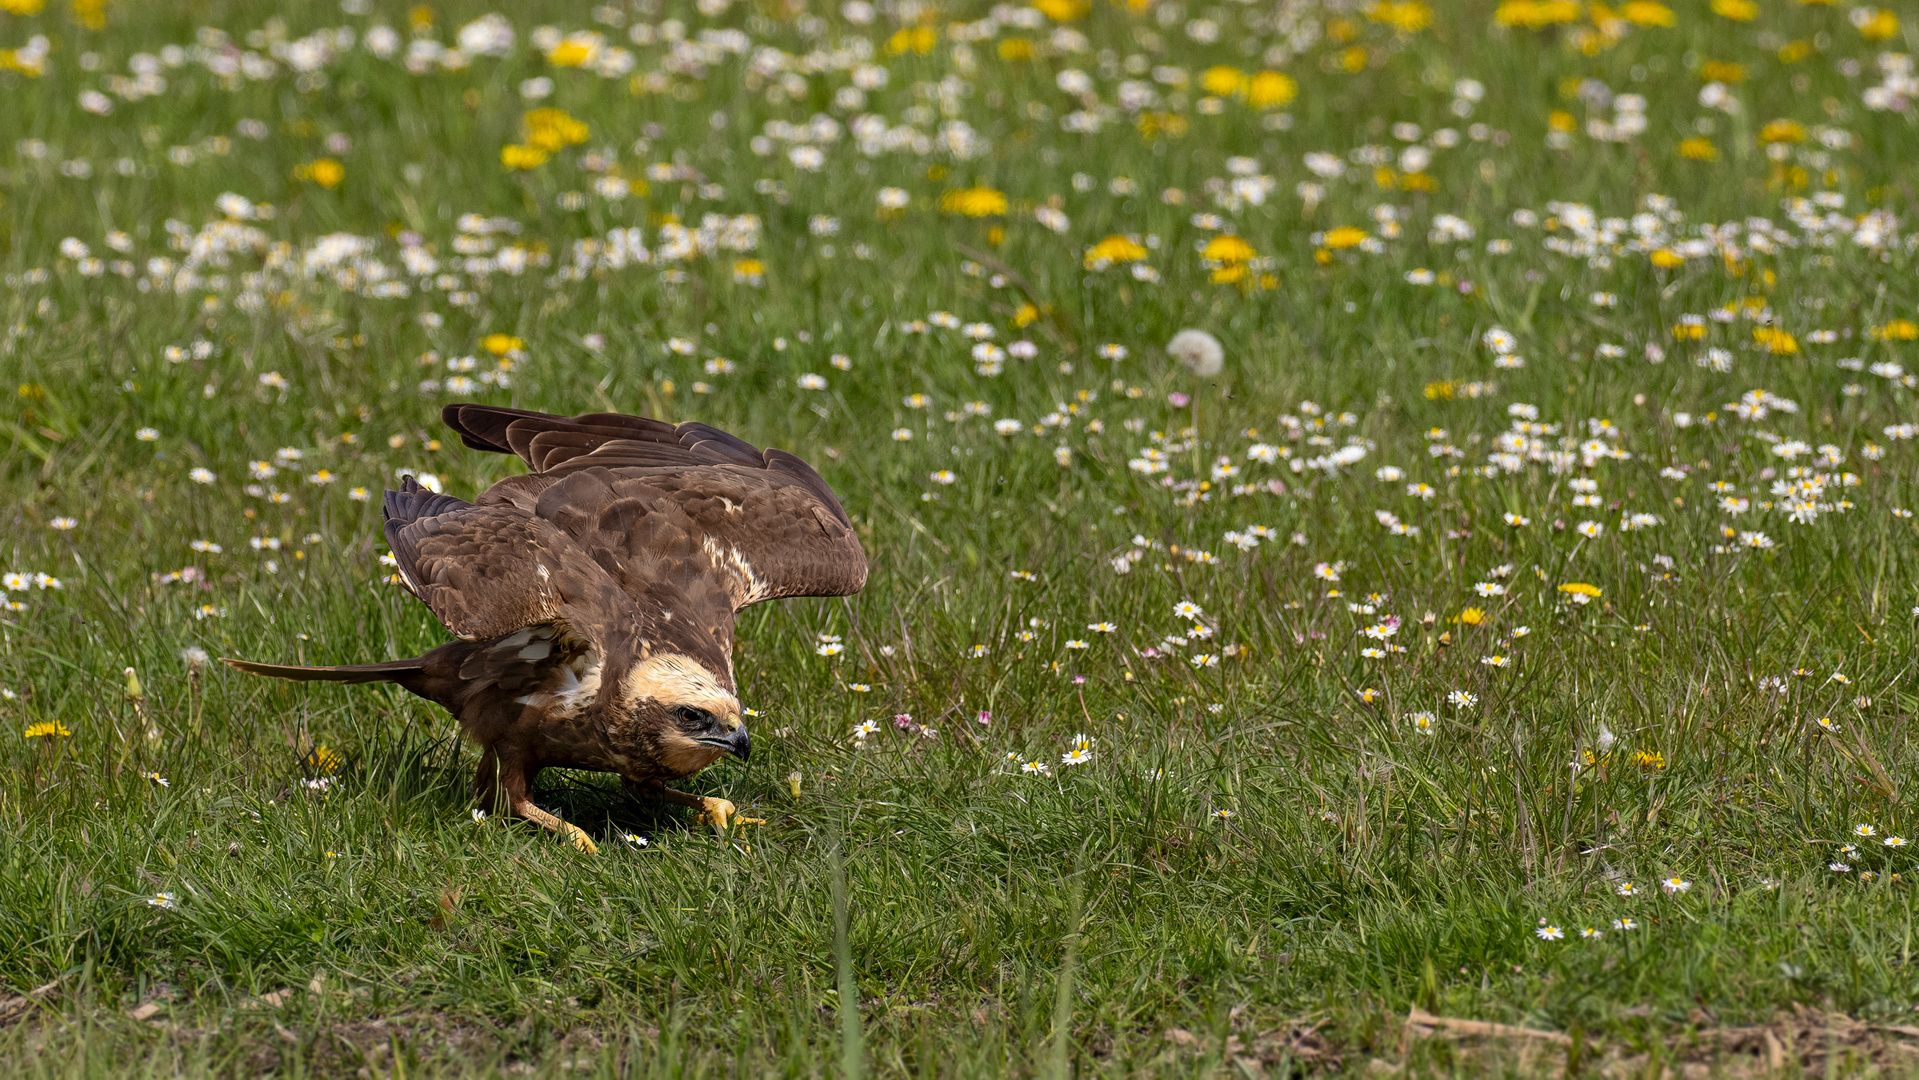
x=1257, y=847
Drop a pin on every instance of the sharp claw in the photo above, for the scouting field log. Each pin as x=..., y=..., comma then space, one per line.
x=718, y=811
x=579, y=838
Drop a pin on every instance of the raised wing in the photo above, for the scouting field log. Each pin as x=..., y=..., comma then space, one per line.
x=685, y=507
x=485, y=571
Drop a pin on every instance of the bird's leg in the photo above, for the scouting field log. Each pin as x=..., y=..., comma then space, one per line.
x=510, y=775
x=718, y=811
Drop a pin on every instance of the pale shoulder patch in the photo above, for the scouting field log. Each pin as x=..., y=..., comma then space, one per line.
x=743, y=586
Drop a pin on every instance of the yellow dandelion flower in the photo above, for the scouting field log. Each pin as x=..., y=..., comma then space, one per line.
x=1536, y=14
x=1580, y=588
x=501, y=344
x=1344, y=237
x=1271, y=89
x=1783, y=131
x=575, y=51
x=1114, y=249
x=1666, y=259
x=1405, y=16
x=321, y=761
x=1649, y=759
x=1736, y=10
x=1063, y=10
x=1698, y=148
x=1153, y=124
x=325, y=172
x=1222, y=80
x=522, y=157
x=1722, y=71
x=915, y=39
x=1896, y=330
x=1775, y=340
x=1472, y=616
x=47, y=729
x=1646, y=13
x=1016, y=50
x=978, y=201
x=1228, y=249
x=1878, y=25
x=552, y=129
x=29, y=62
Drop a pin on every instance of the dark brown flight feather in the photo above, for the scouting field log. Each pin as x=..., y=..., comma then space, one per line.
x=594, y=596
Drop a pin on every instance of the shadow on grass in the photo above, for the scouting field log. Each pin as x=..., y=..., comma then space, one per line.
x=599, y=804
x=433, y=777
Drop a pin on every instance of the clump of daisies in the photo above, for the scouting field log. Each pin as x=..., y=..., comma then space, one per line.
x=1079, y=751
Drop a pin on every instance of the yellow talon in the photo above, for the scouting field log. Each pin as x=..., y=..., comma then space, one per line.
x=580, y=840
x=718, y=811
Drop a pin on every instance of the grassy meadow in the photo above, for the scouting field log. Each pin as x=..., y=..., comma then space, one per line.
x=1503, y=611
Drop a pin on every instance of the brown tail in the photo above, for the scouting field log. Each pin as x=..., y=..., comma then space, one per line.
x=397, y=671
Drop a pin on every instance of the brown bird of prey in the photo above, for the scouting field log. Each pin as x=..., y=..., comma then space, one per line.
x=594, y=597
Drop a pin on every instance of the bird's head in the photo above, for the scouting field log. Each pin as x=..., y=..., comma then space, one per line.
x=686, y=717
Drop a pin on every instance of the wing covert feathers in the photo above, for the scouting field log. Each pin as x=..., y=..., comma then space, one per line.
x=647, y=499
x=490, y=570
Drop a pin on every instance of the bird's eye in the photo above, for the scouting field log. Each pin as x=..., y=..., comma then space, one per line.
x=693, y=716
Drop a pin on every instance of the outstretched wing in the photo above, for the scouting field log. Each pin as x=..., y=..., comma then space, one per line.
x=687, y=506
x=485, y=571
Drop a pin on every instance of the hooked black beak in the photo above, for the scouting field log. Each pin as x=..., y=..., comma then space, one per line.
x=738, y=743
